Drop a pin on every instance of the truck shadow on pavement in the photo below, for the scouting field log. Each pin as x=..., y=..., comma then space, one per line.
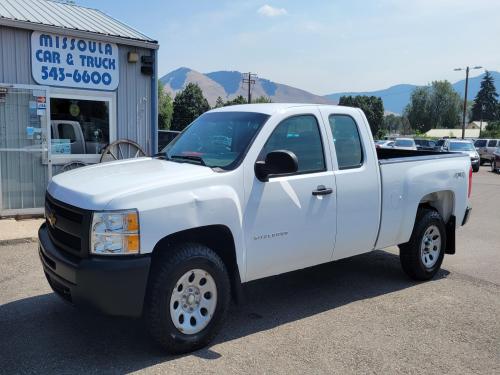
x=43, y=334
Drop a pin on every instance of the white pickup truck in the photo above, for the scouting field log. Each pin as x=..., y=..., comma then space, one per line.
x=245, y=192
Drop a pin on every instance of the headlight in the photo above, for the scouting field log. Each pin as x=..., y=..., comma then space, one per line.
x=115, y=233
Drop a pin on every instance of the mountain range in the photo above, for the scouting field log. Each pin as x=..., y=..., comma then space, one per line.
x=228, y=85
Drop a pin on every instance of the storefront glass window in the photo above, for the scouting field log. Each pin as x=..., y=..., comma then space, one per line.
x=79, y=126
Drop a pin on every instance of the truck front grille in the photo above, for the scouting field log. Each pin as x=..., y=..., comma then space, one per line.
x=68, y=226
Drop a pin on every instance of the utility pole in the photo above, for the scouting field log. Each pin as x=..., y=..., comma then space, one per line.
x=465, y=96
x=250, y=79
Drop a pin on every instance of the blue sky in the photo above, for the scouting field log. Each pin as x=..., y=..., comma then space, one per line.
x=322, y=46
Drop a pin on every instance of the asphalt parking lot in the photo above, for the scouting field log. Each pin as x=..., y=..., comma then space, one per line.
x=358, y=315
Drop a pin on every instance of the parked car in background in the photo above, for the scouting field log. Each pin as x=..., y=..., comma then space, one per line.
x=463, y=146
x=425, y=144
x=486, y=148
x=495, y=163
x=439, y=145
x=384, y=143
x=67, y=137
x=405, y=144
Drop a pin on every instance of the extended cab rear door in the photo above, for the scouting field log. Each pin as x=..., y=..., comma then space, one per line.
x=357, y=179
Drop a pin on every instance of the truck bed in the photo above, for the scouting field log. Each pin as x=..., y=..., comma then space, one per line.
x=390, y=155
x=406, y=177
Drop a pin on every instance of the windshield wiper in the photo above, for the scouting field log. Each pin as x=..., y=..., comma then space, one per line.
x=160, y=155
x=194, y=158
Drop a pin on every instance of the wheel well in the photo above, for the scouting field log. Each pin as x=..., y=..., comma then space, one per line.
x=441, y=201
x=218, y=238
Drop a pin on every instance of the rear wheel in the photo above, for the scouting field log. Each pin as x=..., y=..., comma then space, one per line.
x=421, y=257
x=188, y=297
x=494, y=165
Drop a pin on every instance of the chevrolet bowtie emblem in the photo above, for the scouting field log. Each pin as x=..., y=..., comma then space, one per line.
x=51, y=218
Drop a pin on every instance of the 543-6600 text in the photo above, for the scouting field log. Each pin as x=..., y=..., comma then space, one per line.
x=60, y=74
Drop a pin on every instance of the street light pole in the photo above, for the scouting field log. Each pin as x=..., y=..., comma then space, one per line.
x=465, y=94
x=465, y=101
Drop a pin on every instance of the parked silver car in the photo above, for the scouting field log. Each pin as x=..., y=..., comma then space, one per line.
x=405, y=144
x=486, y=149
x=463, y=146
x=384, y=144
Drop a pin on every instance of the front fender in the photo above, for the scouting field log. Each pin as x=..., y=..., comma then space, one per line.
x=161, y=215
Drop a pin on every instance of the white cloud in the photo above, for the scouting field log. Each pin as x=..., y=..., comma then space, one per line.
x=269, y=11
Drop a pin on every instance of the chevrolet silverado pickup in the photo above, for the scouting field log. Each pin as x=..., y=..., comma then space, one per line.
x=243, y=193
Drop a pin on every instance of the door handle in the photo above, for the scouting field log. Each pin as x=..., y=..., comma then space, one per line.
x=322, y=190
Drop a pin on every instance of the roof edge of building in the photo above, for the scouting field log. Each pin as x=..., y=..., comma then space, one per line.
x=34, y=26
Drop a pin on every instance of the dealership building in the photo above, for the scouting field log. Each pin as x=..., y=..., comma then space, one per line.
x=72, y=81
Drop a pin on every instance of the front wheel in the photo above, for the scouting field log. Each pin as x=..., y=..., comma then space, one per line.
x=188, y=297
x=421, y=257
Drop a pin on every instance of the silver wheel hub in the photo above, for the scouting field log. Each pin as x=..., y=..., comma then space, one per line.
x=430, y=246
x=193, y=301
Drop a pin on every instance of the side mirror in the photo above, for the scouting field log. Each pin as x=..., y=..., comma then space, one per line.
x=277, y=163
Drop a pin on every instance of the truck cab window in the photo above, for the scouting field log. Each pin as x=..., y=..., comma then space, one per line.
x=66, y=131
x=300, y=135
x=347, y=141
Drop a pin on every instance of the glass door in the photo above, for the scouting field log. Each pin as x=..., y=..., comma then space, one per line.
x=24, y=155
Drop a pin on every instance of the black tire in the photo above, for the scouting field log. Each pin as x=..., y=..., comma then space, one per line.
x=166, y=270
x=410, y=252
x=475, y=169
x=494, y=166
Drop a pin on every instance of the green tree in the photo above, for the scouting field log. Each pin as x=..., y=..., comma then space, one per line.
x=394, y=124
x=435, y=106
x=188, y=105
x=417, y=110
x=372, y=106
x=165, y=108
x=262, y=99
x=492, y=131
x=219, y=102
x=238, y=100
x=486, y=102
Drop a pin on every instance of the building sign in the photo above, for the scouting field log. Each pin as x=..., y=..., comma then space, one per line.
x=58, y=60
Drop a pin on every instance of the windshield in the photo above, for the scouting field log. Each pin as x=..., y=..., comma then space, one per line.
x=216, y=139
x=461, y=146
x=404, y=143
x=480, y=143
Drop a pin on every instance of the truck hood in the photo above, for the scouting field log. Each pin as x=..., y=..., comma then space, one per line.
x=93, y=187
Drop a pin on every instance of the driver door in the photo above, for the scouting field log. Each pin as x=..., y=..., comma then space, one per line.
x=289, y=221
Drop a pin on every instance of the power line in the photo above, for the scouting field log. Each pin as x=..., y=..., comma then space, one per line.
x=250, y=79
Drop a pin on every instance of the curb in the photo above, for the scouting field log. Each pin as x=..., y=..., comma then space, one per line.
x=17, y=241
